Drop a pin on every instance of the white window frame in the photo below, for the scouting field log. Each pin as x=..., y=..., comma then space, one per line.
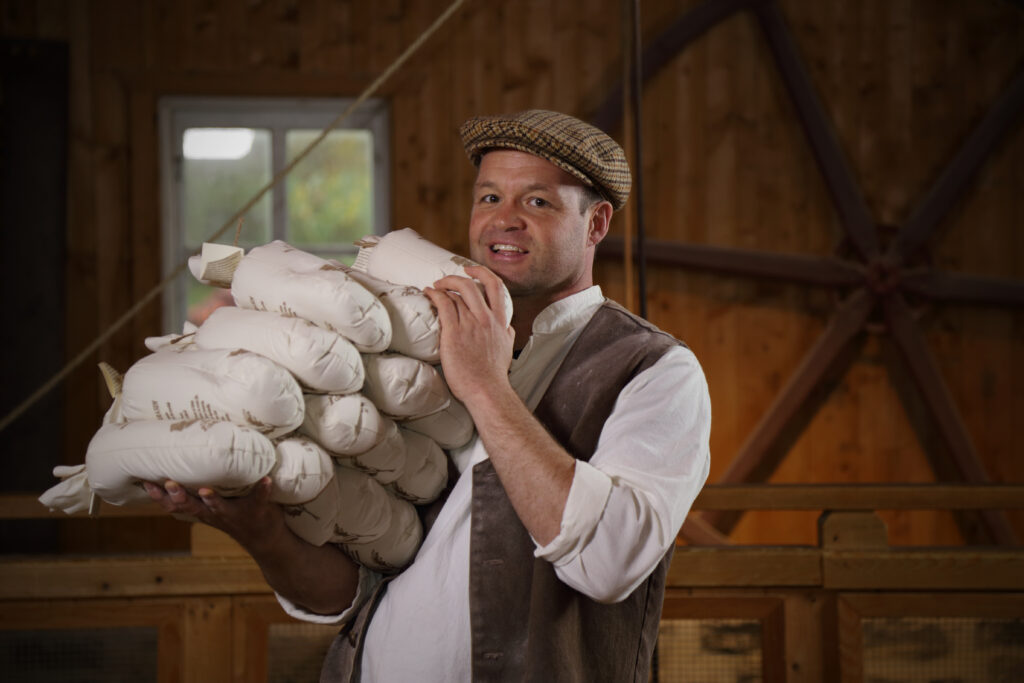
x=176, y=114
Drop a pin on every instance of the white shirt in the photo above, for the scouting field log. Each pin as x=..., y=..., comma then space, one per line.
x=624, y=509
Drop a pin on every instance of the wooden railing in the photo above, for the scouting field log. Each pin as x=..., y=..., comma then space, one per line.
x=852, y=552
x=810, y=600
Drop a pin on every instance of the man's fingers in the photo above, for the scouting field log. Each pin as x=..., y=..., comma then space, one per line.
x=493, y=287
x=176, y=491
x=153, y=491
x=472, y=293
x=446, y=310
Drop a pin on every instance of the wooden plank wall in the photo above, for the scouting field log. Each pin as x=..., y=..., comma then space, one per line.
x=725, y=164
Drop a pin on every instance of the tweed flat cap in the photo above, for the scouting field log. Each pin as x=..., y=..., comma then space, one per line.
x=574, y=146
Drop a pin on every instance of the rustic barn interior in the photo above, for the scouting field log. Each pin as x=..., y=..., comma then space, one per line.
x=828, y=211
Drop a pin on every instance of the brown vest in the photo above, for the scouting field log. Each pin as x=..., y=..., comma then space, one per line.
x=526, y=624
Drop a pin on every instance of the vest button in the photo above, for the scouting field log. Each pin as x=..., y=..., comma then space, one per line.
x=494, y=562
x=493, y=655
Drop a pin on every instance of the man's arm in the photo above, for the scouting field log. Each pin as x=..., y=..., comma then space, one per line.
x=476, y=351
x=322, y=579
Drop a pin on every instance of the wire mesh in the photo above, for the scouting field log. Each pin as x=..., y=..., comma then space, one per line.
x=95, y=655
x=946, y=649
x=709, y=651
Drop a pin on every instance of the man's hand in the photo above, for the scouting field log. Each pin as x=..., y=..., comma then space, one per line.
x=252, y=520
x=476, y=344
x=476, y=352
x=320, y=578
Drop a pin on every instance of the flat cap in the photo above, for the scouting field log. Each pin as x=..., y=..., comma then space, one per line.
x=574, y=146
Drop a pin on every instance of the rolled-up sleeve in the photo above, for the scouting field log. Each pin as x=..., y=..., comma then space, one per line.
x=368, y=582
x=626, y=504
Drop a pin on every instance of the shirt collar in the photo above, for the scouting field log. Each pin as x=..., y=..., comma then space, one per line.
x=568, y=313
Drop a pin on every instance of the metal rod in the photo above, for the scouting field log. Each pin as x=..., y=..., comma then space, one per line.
x=636, y=90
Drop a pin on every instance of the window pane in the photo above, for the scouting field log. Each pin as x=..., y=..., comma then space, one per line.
x=222, y=168
x=330, y=192
x=203, y=300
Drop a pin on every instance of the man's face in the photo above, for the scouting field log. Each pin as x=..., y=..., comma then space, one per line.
x=526, y=225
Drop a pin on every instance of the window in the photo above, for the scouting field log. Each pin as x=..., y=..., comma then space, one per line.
x=216, y=154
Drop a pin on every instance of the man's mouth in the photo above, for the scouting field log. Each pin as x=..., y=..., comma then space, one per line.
x=506, y=249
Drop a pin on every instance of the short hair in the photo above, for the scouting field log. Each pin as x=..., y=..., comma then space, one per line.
x=588, y=197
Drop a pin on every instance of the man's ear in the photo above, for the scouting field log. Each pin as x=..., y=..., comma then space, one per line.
x=600, y=222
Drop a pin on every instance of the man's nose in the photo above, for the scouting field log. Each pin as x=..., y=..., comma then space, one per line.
x=509, y=216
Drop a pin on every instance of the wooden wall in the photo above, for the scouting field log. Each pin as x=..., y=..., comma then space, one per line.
x=725, y=163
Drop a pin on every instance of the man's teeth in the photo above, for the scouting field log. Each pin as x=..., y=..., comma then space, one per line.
x=506, y=247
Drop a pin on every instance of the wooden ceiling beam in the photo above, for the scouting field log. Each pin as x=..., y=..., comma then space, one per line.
x=964, y=289
x=798, y=268
x=854, y=214
x=764, y=449
x=941, y=407
x=664, y=48
x=1002, y=116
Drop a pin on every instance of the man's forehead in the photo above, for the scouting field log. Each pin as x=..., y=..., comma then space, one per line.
x=536, y=172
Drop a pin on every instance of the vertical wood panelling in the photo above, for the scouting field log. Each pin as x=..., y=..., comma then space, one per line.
x=725, y=163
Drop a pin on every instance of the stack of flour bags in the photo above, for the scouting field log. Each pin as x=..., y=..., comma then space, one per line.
x=324, y=378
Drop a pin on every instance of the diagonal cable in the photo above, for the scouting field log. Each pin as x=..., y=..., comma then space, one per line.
x=230, y=222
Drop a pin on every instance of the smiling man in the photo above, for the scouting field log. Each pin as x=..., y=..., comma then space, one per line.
x=547, y=559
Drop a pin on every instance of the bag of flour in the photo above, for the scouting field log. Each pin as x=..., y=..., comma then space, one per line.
x=406, y=258
x=320, y=359
x=227, y=457
x=278, y=277
x=225, y=385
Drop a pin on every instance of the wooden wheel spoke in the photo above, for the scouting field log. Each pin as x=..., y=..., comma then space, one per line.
x=660, y=51
x=697, y=531
x=853, y=211
x=798, y=268
x=768, y=443
x=871, y=275
x=942, y=409
x=1001, y=117
x=965, y=289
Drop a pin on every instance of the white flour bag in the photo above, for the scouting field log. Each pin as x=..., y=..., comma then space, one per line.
x=320, y=359
x=225, y=385
x=226, y=457
x=278, y=277
x=404, y=257
x=344, y=425
x=403, y=387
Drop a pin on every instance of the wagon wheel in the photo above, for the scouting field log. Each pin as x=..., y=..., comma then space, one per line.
x=881, y=281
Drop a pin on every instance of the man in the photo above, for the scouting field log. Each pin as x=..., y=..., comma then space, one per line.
x=547, y=560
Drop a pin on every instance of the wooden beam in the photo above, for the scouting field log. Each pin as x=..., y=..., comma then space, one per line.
x=860, y=497
x=745, y=566
x=854, y=214
x=663, y=48
x=964, y=289
x=798, y=268
x=923, y=570
x=129, y=577
x=1002, y=117
x=946, y=418
x=27, y=506
x=697, y=531
x=849, y=530
x=766, y=445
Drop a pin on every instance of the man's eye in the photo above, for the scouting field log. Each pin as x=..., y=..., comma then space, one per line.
x=488, y=199
x=537, y=201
